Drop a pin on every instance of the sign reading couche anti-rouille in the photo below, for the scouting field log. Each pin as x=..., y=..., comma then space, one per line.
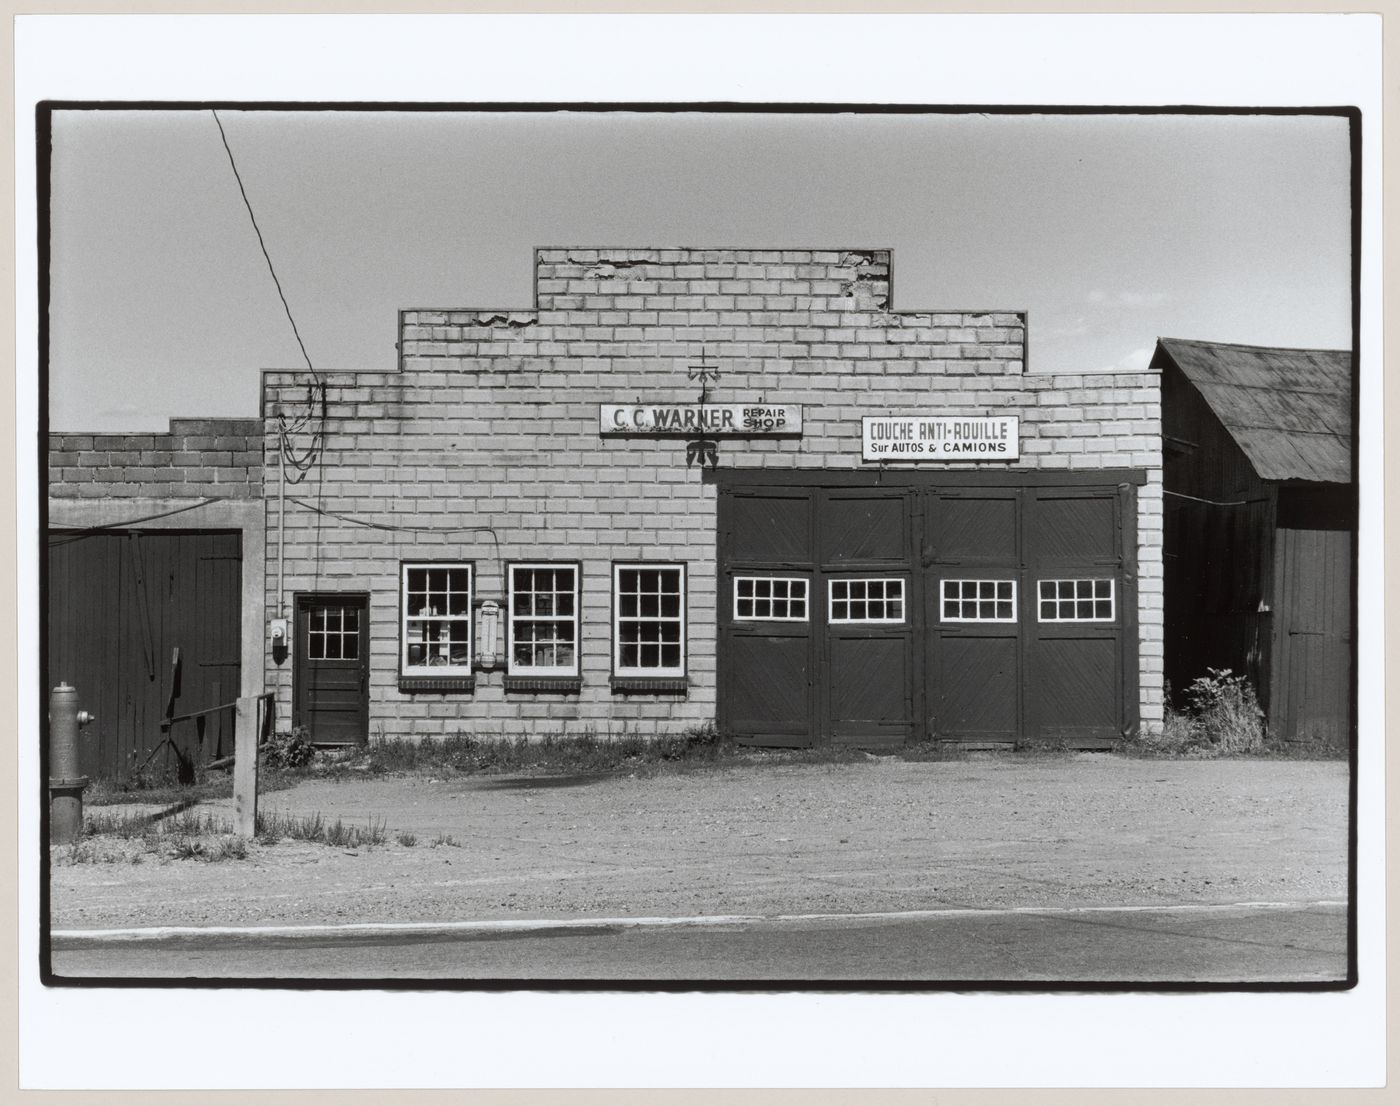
x=940, y=438
x=710, y=420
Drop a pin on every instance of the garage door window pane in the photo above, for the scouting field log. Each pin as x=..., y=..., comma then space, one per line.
x=870, y=600
x=978, y=601
x=770, y=599
x=1084, y=600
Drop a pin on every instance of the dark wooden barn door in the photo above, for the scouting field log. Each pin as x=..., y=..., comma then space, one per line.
x=1074, y=614
x=330, y=675
x=1312, y=687
x=766, y=610
x=119, y=604
x=865, y=612
x=973, y=611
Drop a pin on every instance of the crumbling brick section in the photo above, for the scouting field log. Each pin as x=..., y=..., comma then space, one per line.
x=194, y=459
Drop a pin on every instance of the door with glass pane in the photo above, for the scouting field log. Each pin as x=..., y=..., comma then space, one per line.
x=973, y=599
x=330, y=674
x=1076, y=615
x=766, y=613
x=864, y=544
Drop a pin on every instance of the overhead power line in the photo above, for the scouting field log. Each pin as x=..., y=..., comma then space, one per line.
x=64, y=535
x=263, y=246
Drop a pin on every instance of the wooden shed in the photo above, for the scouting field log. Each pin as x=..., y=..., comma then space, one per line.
x=1260, y=506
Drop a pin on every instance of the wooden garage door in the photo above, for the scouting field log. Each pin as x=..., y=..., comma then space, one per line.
x=864, y=626
x=119, y=604
x=816, y=616
x=1075, y=614
x=767, y=654
x=974, y=604
x=968, y=610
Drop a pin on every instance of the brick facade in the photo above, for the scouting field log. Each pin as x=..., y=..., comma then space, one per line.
x=194, y=459
x=491, y=420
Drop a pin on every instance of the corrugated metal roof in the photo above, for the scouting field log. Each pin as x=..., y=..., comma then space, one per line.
x=1289, y=409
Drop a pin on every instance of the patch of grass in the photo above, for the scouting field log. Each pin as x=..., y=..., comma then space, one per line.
x=406, y=839
x=314, y=828
x=111, y=837
x=446, y=839
x=586, y=753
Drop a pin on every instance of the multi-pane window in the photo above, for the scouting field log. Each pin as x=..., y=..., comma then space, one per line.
x=880, y=599
x=770, y=598
x=333, y=633
x=1076, y=600
x=543, y=605
x=979, y=601
x=649, y=620
x=437, y=618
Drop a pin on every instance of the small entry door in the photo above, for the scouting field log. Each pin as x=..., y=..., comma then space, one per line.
x=330, y=675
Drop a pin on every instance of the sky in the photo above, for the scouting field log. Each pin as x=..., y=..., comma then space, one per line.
x=1111, y=231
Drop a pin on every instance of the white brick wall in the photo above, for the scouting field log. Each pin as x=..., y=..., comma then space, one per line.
x=492, y=420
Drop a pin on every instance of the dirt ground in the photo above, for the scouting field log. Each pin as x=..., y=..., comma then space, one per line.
x=880, y=835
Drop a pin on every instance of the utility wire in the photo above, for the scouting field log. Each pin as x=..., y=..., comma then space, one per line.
x=1211, y=502
x=263, y=246
x=75, y=535
x=395, y=529
x=301, y=463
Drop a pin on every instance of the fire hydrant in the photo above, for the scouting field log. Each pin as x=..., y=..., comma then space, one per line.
x=65, y=785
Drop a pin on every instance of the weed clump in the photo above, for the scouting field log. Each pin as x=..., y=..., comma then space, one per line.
x=1221, y=717
x=288, y=750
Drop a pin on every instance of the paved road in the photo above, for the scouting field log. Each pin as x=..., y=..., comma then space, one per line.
x=1260, y=943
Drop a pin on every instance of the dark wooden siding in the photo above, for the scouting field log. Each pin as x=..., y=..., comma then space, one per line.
x=1218, y=554
x=1258, y=574
x=119, y=603
x=1312, y=665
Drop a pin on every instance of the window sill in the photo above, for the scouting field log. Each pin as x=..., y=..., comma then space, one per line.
x=564, y=684
x=437, y=683
x=650, y=684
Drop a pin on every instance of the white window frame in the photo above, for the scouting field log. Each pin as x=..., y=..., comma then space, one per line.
x=806, y=598
x=512, y=667
x=340, y=633
x=405, y=640
x=1057, y=580
x=943, y=597
x=619, y=669
x=886, y=599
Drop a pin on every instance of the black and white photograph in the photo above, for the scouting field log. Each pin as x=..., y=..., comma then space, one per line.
x=631, y=545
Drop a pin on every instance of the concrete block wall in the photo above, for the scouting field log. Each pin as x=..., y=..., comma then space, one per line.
x=491, y=421
x=194, y=459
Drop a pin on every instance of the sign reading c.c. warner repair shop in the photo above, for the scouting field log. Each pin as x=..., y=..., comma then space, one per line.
x=940, y=438
x=710, y=420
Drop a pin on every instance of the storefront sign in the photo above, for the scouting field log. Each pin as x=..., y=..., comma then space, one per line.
x=940, y=438
x=709, y=420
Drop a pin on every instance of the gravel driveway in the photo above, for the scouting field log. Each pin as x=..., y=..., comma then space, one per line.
x=879, y=835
